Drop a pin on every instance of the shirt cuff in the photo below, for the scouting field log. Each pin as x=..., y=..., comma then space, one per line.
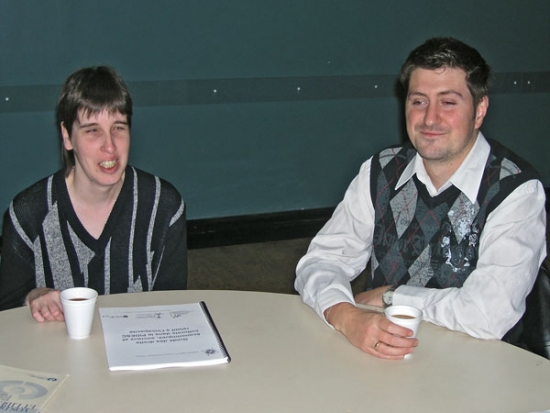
x=411, y=296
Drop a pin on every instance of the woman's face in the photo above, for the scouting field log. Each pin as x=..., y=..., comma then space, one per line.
x=101, y=144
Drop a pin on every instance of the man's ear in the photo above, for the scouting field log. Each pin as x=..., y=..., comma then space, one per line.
x=481, y=111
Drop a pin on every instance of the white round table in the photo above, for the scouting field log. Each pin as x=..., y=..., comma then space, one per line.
x=284, y=359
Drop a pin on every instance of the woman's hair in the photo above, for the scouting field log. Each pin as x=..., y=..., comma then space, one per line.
x=92, y=90
x=446, y=52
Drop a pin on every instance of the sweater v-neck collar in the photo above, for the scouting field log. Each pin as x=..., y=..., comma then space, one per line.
x=66, y=209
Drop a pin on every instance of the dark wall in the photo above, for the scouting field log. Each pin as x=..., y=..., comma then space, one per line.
x=257, y=106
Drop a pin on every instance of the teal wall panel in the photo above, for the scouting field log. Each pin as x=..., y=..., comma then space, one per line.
x=271, y=168
x=259, y=106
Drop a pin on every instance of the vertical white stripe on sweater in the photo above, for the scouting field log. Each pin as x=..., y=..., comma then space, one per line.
x=148, y=250
x=132, y=232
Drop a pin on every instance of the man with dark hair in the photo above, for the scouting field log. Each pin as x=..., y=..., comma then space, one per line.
x=452, y=223
x=98, y=222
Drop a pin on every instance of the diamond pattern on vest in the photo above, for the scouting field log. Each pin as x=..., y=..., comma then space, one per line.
x=507, y=168
x=421, y=271
x=387, y=155
x=403, y=206
x=461, y=215
x=429, y=241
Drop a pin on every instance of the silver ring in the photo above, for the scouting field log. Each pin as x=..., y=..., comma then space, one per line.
x=376, y=345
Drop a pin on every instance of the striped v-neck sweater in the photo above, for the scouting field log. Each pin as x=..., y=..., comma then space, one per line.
x=143, y=246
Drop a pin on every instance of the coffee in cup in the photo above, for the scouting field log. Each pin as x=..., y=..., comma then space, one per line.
x=405, y=316
x=78, y=308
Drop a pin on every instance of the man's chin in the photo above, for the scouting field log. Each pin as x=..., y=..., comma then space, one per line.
x=432, y=154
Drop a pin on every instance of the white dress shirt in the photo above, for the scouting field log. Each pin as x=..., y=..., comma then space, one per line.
x=492, y=299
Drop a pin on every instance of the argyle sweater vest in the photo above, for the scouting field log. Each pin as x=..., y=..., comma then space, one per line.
x=433, y=242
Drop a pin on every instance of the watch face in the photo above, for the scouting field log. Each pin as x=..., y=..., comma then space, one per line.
x=387, y=297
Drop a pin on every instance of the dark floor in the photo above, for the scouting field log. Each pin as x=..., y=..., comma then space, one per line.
x=267, y=266
x=264, y=266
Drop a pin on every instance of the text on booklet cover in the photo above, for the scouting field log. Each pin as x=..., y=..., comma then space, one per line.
x=152, y=337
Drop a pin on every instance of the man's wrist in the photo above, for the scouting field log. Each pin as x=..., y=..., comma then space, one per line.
x=331, y=312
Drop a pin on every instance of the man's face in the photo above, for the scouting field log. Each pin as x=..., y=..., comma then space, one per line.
x=100, y=144
x=442, y=123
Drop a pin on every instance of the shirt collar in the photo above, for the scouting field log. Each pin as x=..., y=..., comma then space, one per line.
x=467, y=178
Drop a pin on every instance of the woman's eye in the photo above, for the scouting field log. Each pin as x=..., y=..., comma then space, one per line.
x=121, y=128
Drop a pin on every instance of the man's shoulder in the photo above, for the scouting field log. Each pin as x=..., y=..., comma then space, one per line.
x=510, y=162
x=504, y=173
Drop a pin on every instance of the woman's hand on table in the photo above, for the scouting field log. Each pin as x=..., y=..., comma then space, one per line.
x=45, y=305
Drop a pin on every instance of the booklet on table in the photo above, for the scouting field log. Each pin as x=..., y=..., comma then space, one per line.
x=153, y=337
x=27, y=390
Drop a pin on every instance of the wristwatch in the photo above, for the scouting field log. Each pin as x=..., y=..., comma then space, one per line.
x=387, y=296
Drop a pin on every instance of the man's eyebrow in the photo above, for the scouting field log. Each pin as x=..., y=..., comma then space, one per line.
x=450, y=92
x=442, y=93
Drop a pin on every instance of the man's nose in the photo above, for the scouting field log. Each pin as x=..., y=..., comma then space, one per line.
x=431, y=116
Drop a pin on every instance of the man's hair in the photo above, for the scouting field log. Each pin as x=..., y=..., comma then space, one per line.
x=446, y=52
x=93, y=90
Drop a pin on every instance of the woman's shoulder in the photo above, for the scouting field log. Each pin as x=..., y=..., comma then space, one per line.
x=39, y=192
x=146, y=181
x=34, y=202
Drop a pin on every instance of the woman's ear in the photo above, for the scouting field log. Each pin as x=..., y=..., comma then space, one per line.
x=66, y=137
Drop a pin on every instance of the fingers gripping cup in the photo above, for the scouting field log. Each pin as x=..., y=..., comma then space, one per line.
x=405, y=316
x=78, y=308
